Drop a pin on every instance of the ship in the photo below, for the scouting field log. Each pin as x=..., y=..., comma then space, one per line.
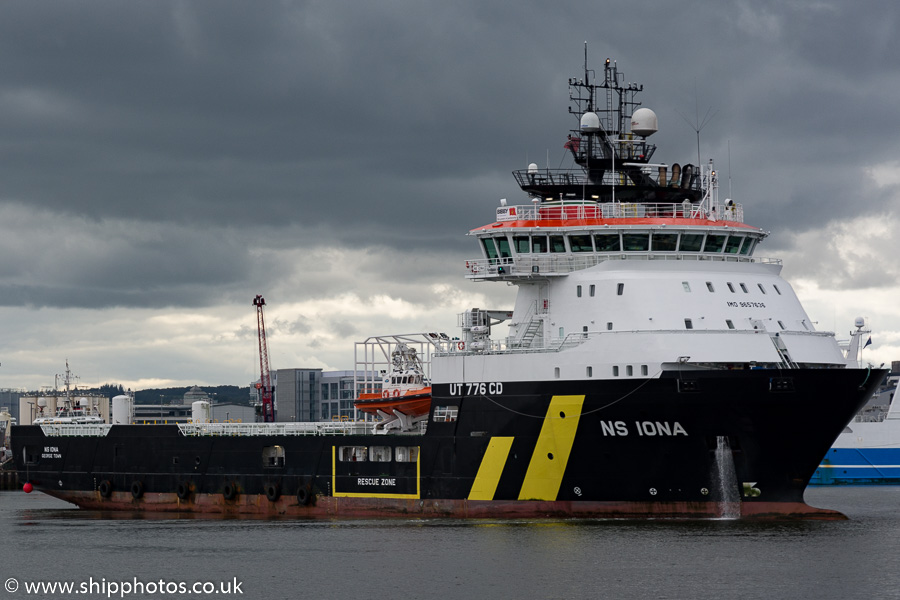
x=653, y=366
x=867, y=452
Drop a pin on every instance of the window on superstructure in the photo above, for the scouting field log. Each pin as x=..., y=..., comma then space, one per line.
x=691, y=242
x=503, y=246
x=709, y=286
x=777, y=291
x=539, y=243
x=589, y=372
x=609, y=326
x=607, y=242
x=730, y=287
x=584, y=331
x=406, y=453
x=489, y=249
x=380, y=453
x=578, y=291
x=729, y=323
x=522, y=244
x=635, y=242
x=445, y=414
x=805, y=326
x=686, y=286
x=744, y=288
x=664, y=242
x=644, y=370
x=352, y=453
x=557, y=243
x=781, y=324
x=593, y=289
x=748, y=245
x=556, y=372
x=734, y=244
x=688, y=324
x=714, y=243
x=761, y=288
x=615, y=370
x=620, y=289
x=629, y=370
x=581, y=243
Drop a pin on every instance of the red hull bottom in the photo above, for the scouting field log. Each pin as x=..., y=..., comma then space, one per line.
x=328, y=507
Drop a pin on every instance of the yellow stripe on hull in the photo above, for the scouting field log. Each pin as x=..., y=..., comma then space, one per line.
x=551, y=453
x=485, y=484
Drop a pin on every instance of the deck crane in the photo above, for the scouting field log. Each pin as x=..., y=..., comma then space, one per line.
x=265, y=380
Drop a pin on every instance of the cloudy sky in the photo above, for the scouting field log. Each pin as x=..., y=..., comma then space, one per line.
x=161, y=163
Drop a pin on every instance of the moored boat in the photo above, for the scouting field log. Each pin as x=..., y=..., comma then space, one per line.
x=654, y=367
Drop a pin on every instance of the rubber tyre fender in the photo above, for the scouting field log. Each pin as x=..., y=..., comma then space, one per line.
x=304, y=496
x=273, y=492
x=183, y=491
x=105, y=488
x=230, y=491
x=137, y=490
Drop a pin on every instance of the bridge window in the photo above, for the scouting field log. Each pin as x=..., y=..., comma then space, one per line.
x=714, y=243
x=665, y=242
x=748, y=244
x=744, y=288
x=503, y=245
x=729, y=323
x=557, y=243
x=522, y=244
x=580, y=243
x=731, y=288
x=489, y=249
x=777, y=291
x=709, y=286
x=607, y=242
x=734, y=244
x=761, y=288
x=635, y=242
x=539, y=243
x=691, y=242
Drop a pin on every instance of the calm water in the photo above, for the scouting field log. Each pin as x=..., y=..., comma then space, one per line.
x=43, y=539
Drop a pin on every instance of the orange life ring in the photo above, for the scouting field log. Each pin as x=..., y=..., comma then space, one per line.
x=461, y=345
x=396, y=393
x=386, y=394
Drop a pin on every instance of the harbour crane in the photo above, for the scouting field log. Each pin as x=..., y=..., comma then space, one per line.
x=264, y=386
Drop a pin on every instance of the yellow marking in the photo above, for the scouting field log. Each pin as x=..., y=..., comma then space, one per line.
x=544, y=475
x=338, y=494
x=485, y=484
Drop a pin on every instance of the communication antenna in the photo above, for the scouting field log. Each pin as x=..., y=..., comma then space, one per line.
x=697, y=125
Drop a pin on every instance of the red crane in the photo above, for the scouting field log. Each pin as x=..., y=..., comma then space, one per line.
x=265, y=380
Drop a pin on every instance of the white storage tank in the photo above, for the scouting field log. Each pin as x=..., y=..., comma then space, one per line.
x=122, y=410
x=200, y=411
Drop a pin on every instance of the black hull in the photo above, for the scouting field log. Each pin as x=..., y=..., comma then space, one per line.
x=622, y=448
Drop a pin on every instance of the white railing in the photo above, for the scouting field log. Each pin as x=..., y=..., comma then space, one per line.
x=275, y=429
x=581, y=210
x=554, y=264
x=75, y=429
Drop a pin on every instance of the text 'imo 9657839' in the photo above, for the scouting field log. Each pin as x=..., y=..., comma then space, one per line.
x=654, y=366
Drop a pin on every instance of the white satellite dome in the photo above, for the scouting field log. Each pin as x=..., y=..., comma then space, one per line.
x=859, y=323
x=643, y=122
x=590, y=122
x=532, y=168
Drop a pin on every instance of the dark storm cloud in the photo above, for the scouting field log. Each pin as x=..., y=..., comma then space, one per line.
x=223, y=127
